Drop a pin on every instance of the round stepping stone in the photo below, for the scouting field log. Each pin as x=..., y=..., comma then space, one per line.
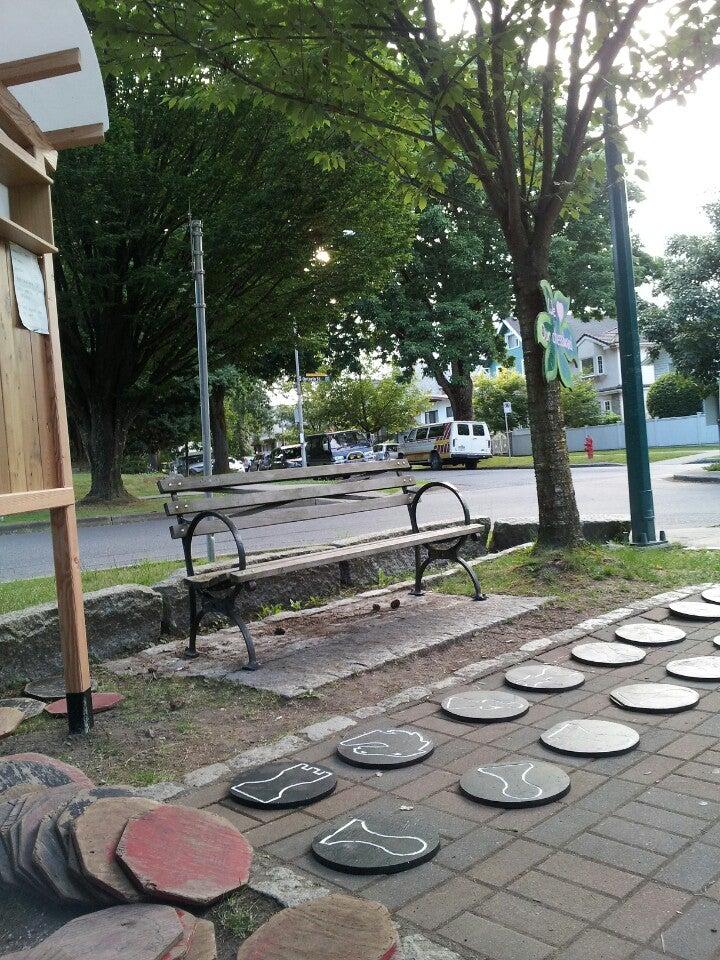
x=696, y=610
x=36, y=768
x=544, y=677
x=591, y=738
x=284, y=785
x=380, y=843
x=695, y=668
x=325, y=929
x=10, y=720
x=184, y=855
x=650, y=634
x=712, y=595
x=386, y=747
x=100, y=703
x=602, y=653
x=516, y=783
x=716, y=640
x=140, y=932
x=30, y=708
x=53, y=843
x=50, y=688
x=96, y=834
x=655, y=697
x=489, y=706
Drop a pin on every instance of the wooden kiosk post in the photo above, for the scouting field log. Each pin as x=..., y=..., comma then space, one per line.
x=51, y=98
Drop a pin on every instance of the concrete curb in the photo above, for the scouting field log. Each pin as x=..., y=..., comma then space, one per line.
x=706, y=476
x=39, y=525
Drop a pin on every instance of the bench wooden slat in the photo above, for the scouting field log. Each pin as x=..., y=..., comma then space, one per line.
x=286, y=493
x=309, y=510
x=177, y=484
x=270, y=567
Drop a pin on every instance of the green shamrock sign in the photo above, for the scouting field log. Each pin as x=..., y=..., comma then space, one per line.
x=555, y=336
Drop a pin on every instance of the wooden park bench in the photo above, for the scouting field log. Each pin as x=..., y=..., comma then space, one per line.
x=241, y=501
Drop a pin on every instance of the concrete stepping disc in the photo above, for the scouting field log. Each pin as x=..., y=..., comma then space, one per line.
x=377, y=843
x=607, y=653
x=386, y=747
x=712, y=594
x=10, y=720
x=50, y=688
x=95, y=836
x=30, y=708
x=101, y=702
x=696, y=610
x=650, y=634
x=24, y=833
x=329, y=928
x=516, y=783
x=695, y=668
x=36, y=768
x=591, y=738
x=283, y=785
x=655, y=697
x=138, y=932
x=485, y=706
x=544, y=677
x=184, y=855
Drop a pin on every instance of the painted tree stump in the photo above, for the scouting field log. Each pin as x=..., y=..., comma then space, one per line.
x=326, y=929
x=101, y=703
x=10, y=720
x=36, y=768
x=138, y=932
x=96, y=834
x=184, y=855
x=30, y=708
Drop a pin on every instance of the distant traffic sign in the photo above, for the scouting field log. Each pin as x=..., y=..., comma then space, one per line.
x=507, y=406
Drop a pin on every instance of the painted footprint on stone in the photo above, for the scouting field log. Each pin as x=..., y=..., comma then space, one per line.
x=271, y=789
x=515, y=779
x=387, y=743
x=357, y=833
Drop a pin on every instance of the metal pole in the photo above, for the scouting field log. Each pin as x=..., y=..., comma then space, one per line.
x=507, y=434
x=198, y=270
x=298, y=387
x=642, y=510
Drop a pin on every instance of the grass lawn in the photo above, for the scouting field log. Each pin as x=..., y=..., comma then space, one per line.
x=601, y=456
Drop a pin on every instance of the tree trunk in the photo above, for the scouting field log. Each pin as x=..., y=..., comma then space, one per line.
x=557, y=508
x=459, y=391
x=218, y=429
x=104, y=438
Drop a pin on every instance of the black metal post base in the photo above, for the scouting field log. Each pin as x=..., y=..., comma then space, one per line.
x=662, y=542
x=190, y=654
x=80, y=712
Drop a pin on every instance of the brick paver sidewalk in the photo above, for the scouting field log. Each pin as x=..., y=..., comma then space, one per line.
x=626, y=865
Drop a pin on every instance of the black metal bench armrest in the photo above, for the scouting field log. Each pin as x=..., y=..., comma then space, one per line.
x=187, y=539
x=428, y=486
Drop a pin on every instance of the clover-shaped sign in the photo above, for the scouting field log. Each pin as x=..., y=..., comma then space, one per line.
x=555, y=336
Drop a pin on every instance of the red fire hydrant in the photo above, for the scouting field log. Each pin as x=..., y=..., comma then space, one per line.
x=589, y=447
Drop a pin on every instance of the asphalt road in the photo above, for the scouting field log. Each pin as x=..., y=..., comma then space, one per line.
x=499, y=494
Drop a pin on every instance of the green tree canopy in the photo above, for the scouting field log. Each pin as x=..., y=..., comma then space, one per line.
x=580, y=404
x=490, y=394
x=675, y=395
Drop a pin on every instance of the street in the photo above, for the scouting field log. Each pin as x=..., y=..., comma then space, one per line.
x=498, y=494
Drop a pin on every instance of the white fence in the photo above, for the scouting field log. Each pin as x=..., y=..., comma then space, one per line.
x=693, y=431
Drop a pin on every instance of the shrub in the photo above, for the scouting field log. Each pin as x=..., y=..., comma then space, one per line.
x=674, y=395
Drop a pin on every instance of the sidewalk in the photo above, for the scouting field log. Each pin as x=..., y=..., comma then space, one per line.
x=627, y=865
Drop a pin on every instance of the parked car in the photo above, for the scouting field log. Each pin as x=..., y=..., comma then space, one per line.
x=259, y=462
x=386, y=451
x=457, y=441
x=355, y=454
x=198, y=466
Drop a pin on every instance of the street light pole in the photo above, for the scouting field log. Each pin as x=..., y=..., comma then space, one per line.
x=642, y=510
x=198, y=270
x=298, y=387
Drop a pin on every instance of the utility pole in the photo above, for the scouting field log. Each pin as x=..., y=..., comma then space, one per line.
x=298, y=387
x=507, y=408
x=198, y=271
x=642, y=509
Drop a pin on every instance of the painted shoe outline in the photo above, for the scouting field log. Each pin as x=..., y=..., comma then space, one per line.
x=499, y=700
x=378, y=747
x=240, y=789
x=419, y=847
x=529, y=765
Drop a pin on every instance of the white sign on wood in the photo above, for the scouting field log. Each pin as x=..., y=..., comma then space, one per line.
x=29, y=289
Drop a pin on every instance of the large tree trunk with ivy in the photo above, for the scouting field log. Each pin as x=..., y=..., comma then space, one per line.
x=104, y=431
x=218, y=428
x=458, y=389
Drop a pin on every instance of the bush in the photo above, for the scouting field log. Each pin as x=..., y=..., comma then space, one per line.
x=489, y=394
x=674, y=395
x=580, y=405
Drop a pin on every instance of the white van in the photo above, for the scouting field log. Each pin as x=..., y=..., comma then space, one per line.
x=457, y=441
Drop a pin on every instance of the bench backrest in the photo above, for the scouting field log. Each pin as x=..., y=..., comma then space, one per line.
x=266, y=498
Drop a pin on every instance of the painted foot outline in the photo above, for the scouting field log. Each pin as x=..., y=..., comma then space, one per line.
x=378, y=844
x=386, y=747
x=518, y=783
x=282, y=785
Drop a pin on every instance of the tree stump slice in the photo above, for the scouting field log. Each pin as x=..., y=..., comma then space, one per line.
x=36, y=768
x=95, y=835
x=101, y=702
x=184, y=855
x=203, y=946
x=138, y=932
x=30, y=708
x=182, y=947
x=10, y=720
x=8, y=814
x=330, y=928
x=24, y=833
x=50, y=688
